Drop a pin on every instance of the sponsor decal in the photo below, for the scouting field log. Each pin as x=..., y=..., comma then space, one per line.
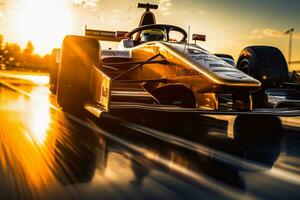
x=209, y=61
x=100, y=88
x=216, y=64
x=112, y=53
x=104, y=97
x=236, y=75
x=105, y=34
x=100, y=33
x=187, y=72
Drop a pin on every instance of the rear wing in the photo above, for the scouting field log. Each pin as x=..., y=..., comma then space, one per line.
x=147, y=6
x=111, y=36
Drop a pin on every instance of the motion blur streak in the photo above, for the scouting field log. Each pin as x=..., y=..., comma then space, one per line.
x=222, y=156
x=47, y=152
x=31, y=158
x=202, y=179
x=40, y=148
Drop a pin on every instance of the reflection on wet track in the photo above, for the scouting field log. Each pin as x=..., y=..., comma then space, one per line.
x=46, y=153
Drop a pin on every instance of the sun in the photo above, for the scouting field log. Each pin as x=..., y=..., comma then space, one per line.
x=44, y=22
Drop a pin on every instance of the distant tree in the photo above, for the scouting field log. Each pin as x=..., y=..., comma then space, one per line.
x=46, y=61
x=13, y=56
x=27, y=54
x=28, y=51
x=2, y=50
x=1, y=40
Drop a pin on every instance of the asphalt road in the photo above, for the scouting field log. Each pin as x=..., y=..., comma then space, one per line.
x=46, y=153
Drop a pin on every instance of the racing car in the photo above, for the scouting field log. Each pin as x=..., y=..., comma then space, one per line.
x=151, y=70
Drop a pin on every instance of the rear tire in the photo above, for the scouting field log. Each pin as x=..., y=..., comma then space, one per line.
x=79, y=54
x=266, y=64
x=54, y=66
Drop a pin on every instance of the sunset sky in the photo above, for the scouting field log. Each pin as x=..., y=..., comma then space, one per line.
x=229, y=25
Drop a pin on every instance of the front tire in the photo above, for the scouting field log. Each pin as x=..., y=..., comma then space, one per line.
x=79, y=54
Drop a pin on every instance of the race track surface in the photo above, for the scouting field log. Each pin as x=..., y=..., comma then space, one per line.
x=46, y=153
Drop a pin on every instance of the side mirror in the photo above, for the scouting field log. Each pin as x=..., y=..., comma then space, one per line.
x=198, y=37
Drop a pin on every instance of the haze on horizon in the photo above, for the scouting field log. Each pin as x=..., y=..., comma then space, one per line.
x=230, y=26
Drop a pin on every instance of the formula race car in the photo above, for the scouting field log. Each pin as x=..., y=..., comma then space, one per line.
x=152, y=70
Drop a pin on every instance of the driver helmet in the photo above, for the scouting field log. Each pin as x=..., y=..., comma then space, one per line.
x=152, y=35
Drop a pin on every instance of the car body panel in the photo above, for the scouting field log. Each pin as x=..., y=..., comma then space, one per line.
x=190, y=66
x=201, y=65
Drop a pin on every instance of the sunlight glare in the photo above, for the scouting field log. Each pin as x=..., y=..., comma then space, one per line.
x=41, y=121
x=44, y=22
